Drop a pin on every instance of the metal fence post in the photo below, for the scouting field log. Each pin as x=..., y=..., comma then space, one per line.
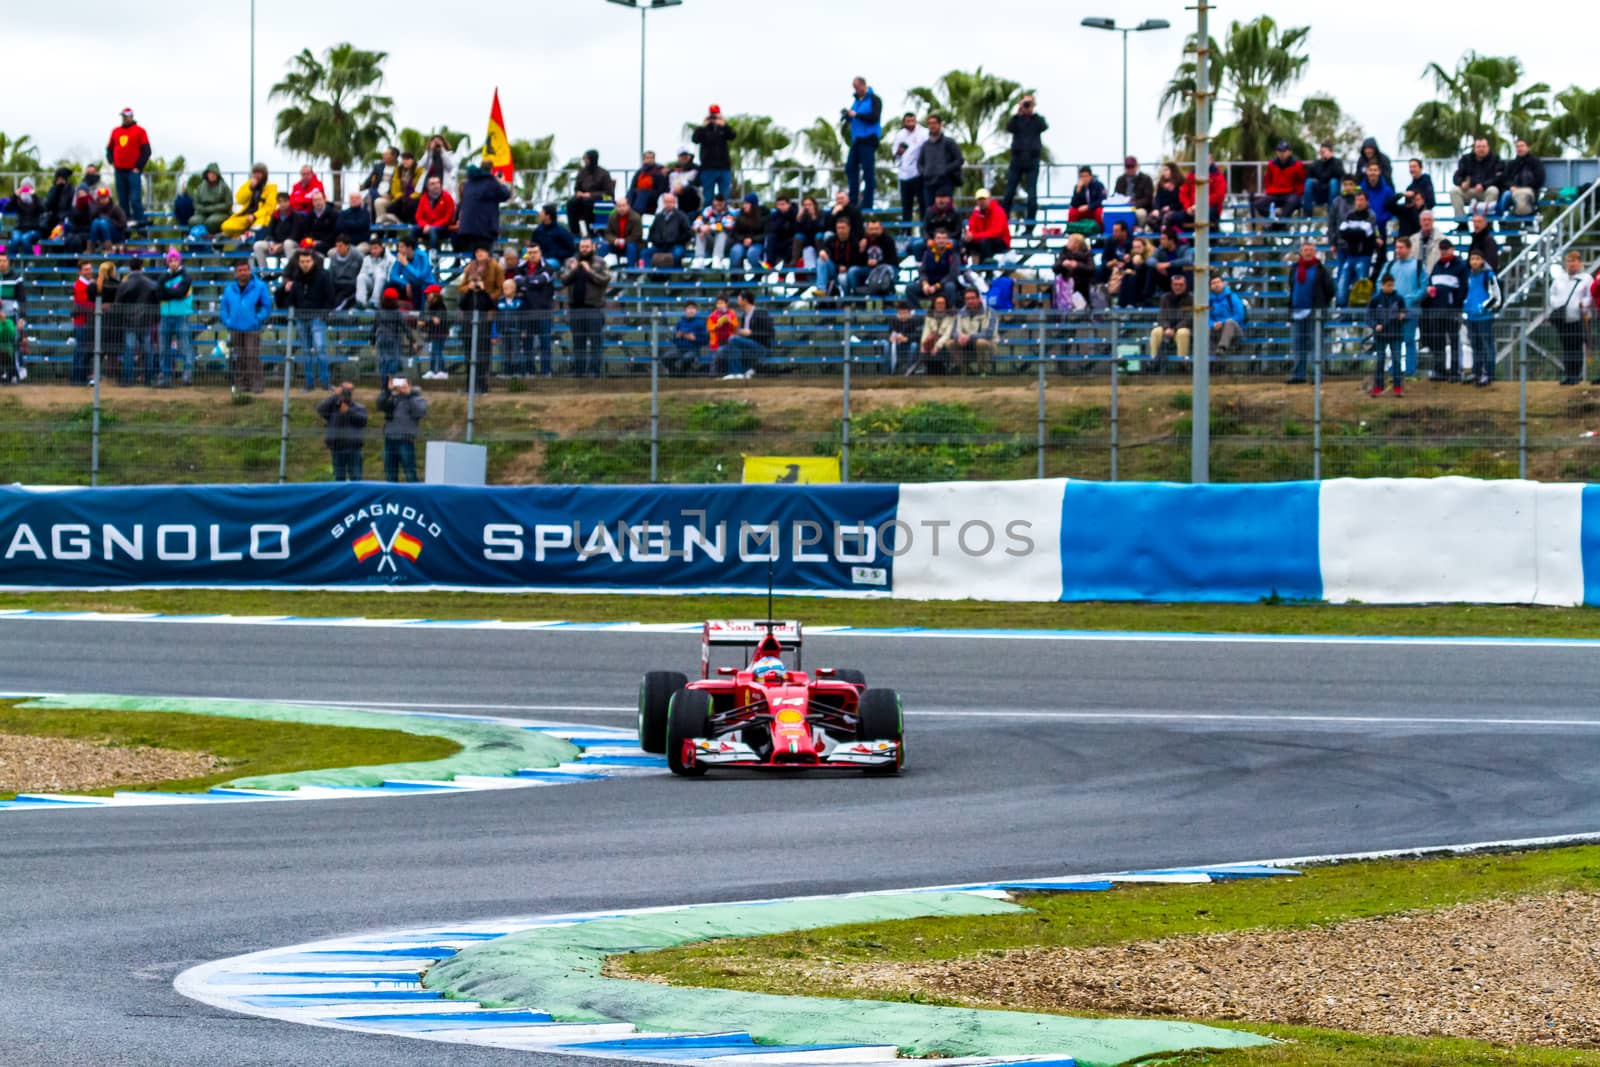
x=1040, y=474
x=1316, y=402
x=288, y=377
x=472, y=377
x=1522, y=403
x=94, y=417
x=844, y=422
x=655, y=397
x=1116, y=335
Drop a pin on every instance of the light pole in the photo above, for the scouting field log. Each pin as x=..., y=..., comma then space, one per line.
x=645, y=7
x=1111, y=24
x=251, y=158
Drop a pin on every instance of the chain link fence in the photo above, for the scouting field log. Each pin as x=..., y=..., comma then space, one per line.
x=637, y=394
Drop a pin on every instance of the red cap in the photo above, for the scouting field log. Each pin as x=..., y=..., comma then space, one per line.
x=715, y=110
x=391, y=293
x=430, y=290
x=308, y=243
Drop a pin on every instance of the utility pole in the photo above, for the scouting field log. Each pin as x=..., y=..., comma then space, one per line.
x=645, y=7
x=250, y=160
x=1200, y=441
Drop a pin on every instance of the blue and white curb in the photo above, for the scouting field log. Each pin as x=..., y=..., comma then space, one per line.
x=896, y=632
x=372, y=984
x=604, y=752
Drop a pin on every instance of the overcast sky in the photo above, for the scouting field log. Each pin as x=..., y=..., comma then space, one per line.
x=570, y=67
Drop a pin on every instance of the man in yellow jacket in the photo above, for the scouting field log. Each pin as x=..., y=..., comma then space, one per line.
x=254, y=203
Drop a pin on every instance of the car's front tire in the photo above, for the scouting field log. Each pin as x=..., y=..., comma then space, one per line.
x=882, y=720
x=655, y=694
x=688, y=718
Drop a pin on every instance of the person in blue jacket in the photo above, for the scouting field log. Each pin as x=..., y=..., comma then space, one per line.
x=1310, y=293
x=1228, y=315
x=1483, y=300
x=412, y=270
x=1410, y=285
x=865, y=115
x=1379, y=193
x=245, y=311
x=689, y=337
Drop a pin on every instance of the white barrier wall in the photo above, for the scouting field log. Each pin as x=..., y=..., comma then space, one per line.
x=985, y=540
x=1442, y=540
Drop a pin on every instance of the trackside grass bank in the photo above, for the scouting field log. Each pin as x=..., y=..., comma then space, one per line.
x=246, y=747
x=1446, y=620
x=836, y=961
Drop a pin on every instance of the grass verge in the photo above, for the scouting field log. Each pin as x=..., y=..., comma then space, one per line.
x=251, y=747
x=1441, y=620
x=1135, y=913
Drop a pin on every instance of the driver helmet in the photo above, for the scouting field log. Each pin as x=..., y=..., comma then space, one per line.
x=768, y=668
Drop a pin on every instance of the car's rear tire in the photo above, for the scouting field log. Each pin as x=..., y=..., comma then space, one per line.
x=655, y=694
x=854, y=677
x=881, y=720
x=687, y=718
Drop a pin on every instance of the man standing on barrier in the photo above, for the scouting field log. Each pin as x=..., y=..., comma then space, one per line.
x=346, y=419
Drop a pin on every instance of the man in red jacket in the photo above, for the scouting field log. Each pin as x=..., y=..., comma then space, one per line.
x=1217, y=195
x=435, y=212
x=300, y=192
x=988, y=230
x=1283, y=185
x=128, y=150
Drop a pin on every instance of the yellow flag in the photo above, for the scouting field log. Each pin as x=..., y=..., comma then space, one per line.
x=792, y=470
x=496, y=146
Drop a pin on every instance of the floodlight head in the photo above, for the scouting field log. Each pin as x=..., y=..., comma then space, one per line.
x=1099, y=23
x=1152, y=24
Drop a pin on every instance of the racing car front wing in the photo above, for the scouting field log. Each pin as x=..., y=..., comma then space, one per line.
x=724, y=752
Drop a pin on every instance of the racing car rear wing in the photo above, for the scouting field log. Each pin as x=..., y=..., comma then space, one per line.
x=747, y=633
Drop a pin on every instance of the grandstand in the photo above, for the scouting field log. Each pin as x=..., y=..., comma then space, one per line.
x=1247, y=251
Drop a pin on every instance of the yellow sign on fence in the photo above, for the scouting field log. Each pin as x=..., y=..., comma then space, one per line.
x=792, y=470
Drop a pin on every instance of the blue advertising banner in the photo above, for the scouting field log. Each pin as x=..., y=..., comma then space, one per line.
x=638, y=538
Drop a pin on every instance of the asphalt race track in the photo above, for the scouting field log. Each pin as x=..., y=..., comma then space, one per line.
x=1026, y=758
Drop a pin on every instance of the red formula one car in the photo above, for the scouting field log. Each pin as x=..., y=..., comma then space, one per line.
x=766, y=715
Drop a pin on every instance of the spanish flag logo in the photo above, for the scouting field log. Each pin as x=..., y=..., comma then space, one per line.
x=406, y=545
x=400, y=543
x=496, y=146
x=368, y=546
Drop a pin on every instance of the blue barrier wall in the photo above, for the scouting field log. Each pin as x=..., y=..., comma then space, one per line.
x=1372, y=540
x=555, y=537
x=1137, y=541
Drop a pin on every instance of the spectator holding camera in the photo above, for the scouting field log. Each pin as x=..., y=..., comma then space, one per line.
x=346, y=420
x=403, y=407
x=716, y=160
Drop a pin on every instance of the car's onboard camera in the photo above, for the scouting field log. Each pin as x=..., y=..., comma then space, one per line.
x=765, y=714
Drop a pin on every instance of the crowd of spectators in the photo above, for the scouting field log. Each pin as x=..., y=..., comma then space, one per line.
x=419, y=243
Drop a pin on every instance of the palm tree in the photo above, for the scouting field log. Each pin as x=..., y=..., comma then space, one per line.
x=975, y=106
x=334, y=111
x=1250, y=71
x=1578, y=124
x=416, y=141
x=1478, y=99
x=19, y=158
x=532, y=160
x=827, y=143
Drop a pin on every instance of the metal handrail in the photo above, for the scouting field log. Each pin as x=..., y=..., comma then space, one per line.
x=1519, y=277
